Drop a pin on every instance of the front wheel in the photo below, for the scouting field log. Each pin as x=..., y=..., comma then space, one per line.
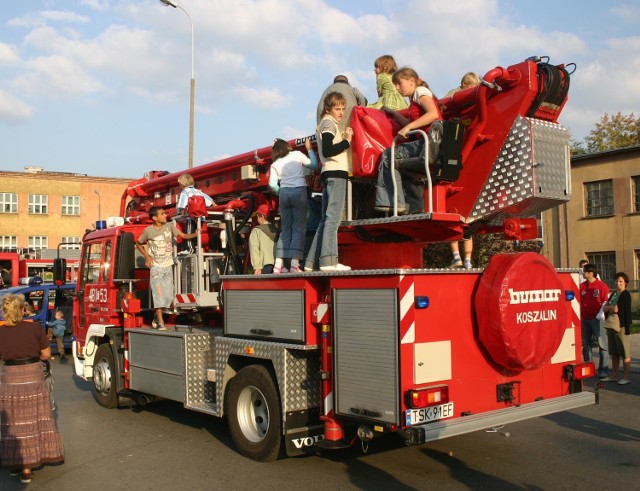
x=104, y=380
x=255, y=417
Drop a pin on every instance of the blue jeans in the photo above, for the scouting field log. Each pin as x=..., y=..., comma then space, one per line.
x=293, y=218
x=591, y=331
x=384, y=188
x=324, y=248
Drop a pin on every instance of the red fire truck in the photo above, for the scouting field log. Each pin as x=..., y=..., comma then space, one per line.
x=15, y=267
x=319, y=360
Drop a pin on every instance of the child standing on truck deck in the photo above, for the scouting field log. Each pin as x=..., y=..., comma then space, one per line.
x=287, y=178
x=388, y=96
x=332, y=146
x=158, y=255
x=56, y=329
x=423, y=111
x=469, y=79
x=188, y=191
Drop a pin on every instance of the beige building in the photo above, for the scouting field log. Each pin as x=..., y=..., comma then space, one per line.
x=39, y=210
x=602, y=221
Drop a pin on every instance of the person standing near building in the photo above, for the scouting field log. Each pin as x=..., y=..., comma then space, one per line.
x=158, y=257
x=593, y=294
x=581, y=265
x=619, y=343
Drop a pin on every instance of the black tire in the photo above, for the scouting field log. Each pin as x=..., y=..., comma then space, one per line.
x=255, y=416
x=104, y=377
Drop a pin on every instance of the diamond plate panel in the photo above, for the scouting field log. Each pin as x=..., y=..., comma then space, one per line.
x=530, y=175
x=199, y=356
x=511, y=179
x=303, y=380
x=296, y=367
x=551, y=156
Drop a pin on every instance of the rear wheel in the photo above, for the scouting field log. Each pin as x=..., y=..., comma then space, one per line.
x=255, y=417
x=104, y=380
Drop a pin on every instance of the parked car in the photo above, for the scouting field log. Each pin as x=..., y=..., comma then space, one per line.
x=45, y=299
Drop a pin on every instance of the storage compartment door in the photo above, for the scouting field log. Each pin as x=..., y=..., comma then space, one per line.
x=366, y=353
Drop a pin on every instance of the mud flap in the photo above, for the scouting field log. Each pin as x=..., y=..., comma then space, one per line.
x=300, y=441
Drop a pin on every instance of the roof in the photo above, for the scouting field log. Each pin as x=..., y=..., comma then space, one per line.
x=62, y=176
x=588, y=158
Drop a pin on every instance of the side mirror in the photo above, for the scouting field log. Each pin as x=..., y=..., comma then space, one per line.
x=59, y=271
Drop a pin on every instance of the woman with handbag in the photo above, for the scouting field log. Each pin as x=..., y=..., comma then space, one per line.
x=29, y=437
x=618, y=326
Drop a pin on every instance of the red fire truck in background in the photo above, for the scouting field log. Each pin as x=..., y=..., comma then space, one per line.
x=319, y=360
x=16, y=267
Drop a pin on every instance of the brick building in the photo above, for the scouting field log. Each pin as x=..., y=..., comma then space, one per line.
x=602, y=221
x=39, y=210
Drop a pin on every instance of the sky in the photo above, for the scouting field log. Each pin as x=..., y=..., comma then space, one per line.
x=101, y=87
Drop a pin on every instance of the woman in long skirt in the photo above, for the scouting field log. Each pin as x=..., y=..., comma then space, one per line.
x=29, y=437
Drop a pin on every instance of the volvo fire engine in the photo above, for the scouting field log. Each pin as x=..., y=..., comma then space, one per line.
x=303, y=362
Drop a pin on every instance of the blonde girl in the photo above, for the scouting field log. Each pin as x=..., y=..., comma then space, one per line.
x=388, y=95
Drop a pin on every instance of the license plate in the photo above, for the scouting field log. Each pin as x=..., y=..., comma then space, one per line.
x=431, y=413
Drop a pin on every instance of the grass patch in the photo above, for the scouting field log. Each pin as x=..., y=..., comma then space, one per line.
x=635, y=328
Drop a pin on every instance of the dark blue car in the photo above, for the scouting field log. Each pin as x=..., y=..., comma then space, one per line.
x=45, y=299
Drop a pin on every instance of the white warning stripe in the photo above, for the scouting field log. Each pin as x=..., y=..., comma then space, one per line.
x=321, y=313
x=328, y=403
x=410, y=335
x=575, y=303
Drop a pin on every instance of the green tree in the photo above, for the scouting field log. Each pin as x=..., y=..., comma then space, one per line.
x=485, y=246
x=612, y=132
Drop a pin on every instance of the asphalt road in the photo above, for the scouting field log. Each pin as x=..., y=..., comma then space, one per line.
x=164, y=446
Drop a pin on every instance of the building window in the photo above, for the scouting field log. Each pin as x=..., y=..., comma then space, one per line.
x=606, y=264
x=599, y=198
x=38, y=204
x=38, y=242
x=8, y=243
x=636, y=193
x=8, y=203
x=71, y=205
x=70, y=243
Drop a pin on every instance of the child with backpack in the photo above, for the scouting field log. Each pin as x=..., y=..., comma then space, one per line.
x=194, y=202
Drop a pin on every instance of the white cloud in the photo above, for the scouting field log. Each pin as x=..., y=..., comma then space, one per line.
x=12, y=109
x=627, y=13
x=64, y=16
x=8, y=54
x=262, y=98
x=96, y=4
x=56, y=77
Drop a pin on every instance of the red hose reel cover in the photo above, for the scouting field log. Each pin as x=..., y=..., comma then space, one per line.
x=521, y=310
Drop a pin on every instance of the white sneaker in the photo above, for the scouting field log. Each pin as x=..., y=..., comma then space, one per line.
x=307, y=269
x=623, y=381
x=335, y=267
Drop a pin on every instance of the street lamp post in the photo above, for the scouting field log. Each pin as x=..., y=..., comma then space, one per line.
x=170, y=3
x=99, y=210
